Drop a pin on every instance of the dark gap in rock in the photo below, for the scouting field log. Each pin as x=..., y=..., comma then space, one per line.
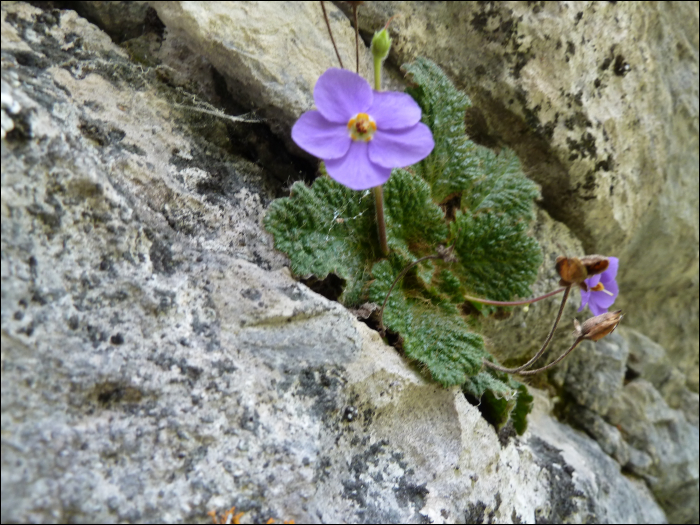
x=257, y=143
x=630, y=375
x=485, y=408
x=450, y=206
x=330, y=287
x=470, y=310
x=478, y=129
x=506, y=434
x=368, y=313
x=120, y=22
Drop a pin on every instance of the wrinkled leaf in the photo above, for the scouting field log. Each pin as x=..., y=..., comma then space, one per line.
x=327, y=228
x=433, y=332
x=498, y=260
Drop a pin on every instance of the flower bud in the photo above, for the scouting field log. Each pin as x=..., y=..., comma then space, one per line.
x=381, y=44
x=599, y=326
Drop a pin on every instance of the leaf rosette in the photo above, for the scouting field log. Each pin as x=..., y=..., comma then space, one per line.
x=463, y=196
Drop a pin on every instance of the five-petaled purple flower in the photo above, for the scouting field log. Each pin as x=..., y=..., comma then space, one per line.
x=359, y=133
x=602, y=289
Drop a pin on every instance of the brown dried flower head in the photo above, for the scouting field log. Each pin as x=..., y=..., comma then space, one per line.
x=574, y=270
x=599, y=326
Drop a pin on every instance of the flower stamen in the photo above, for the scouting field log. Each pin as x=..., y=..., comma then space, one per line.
x=600, y=288
x=362, y=127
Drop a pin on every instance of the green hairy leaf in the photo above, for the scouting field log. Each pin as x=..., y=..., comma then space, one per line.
x=433, y=332
x=499, y=260
x=485, y=181
x=327, y=229
x=463, y=197
x=415, y=225
x=500, y=399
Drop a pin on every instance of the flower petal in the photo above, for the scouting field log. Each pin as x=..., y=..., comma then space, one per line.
x=596, y=309
x=356, y=171
x=611, y=273
x=323, y=139
x=400, y=148
x=392, y=110
x=604, y=300
x=593, y=280
x=585, y=297
x=340, y=95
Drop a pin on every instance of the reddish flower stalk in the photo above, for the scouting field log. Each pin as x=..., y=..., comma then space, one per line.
x=514, y=303
x=330, y=33
x=544, y=346
x=593, y=329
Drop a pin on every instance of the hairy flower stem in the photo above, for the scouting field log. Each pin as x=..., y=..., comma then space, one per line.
x=378, y=192
x=381, y=225
x=513, y=303
x=377, y=74
x=544, y=346
x=330, y=33
x=550, y=365
x=398, y=278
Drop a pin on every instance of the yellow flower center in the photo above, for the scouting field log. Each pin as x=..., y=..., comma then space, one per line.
x=600, y=288
x=362, y=127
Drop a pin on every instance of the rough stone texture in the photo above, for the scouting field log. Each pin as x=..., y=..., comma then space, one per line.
x=600, y=101
x=120, y=20
x=159, y=362
x=595, y=372
x=237, y=38
x=663, y=446
x=613, y=163
x=640, y=412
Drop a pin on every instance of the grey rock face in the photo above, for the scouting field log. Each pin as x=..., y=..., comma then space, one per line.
x=666, y=447
x=270, y=53
x=596, y=371
x=159, y=362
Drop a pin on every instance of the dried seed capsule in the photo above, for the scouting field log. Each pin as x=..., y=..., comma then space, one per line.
x=599, y=326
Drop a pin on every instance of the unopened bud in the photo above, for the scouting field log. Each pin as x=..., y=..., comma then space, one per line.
x=599, y=326
x=381, y=44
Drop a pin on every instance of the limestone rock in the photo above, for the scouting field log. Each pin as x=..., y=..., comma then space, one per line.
x=596, y=371
x=270, y=53
x=159, y=362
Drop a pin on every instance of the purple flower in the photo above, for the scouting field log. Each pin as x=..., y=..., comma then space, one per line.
x=602, y=289
x=359, y=133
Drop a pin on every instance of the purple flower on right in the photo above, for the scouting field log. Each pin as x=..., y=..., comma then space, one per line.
x=602, y=289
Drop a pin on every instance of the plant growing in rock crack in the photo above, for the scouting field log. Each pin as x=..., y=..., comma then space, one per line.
x=453, y=223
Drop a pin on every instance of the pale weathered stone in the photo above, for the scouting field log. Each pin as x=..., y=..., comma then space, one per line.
x=665, y=437
x=271, y=53
x=159, y=362
x=595, y=372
